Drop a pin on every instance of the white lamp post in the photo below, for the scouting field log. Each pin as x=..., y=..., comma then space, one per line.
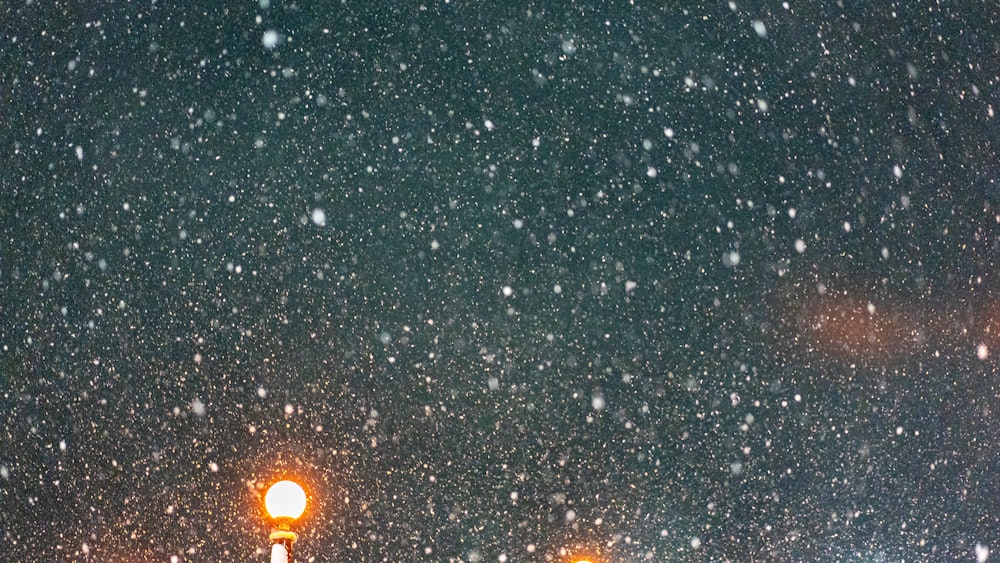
x=285, y=501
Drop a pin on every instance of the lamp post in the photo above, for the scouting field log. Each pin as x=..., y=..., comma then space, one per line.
x=285, y=501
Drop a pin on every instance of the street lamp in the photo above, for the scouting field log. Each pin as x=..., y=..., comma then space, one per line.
x=285, y=501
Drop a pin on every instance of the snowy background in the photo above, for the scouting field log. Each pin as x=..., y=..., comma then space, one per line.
x=500, y=282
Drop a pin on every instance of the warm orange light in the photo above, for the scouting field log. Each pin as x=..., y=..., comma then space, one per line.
x=585, y=557
x=285, y=499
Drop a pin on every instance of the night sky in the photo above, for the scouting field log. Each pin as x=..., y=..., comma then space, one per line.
x=500, y=281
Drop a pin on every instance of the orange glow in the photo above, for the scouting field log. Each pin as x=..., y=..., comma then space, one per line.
x=858, y=328
x=871, y=328
x=586, y=556
x=285, y=499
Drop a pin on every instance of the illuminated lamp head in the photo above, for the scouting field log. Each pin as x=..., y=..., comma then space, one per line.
x=285, y=501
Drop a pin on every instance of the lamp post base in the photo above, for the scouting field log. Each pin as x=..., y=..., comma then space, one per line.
x=280, y=553
x=281, y=546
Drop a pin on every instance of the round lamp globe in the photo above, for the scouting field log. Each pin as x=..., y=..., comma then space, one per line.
x=285, y=499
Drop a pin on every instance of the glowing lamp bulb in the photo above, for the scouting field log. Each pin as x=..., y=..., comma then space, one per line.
x=285, y=499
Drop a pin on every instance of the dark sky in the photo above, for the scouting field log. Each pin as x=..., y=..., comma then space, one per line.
x=500, y=281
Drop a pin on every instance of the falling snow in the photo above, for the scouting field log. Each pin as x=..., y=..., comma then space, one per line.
x=617, y=282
